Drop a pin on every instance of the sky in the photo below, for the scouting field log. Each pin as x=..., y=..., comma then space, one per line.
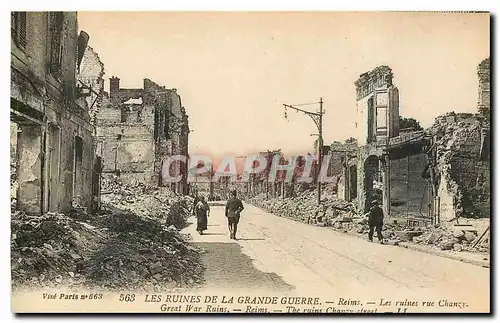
x=234, y=70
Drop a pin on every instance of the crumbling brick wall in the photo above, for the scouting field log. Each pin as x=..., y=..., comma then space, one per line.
x=138, y=128
x=462, y=164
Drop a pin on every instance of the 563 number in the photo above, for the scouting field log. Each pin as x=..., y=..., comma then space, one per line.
x=127, y=297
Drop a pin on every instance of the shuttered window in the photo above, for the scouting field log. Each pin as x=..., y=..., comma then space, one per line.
x=18, y=28
x=56, y=20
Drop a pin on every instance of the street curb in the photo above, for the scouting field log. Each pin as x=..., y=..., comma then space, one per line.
x=415, y=247
x=407, y=245
x=481, y=263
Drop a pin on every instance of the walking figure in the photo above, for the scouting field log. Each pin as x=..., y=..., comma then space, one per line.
x=202, y=212
x=375, y=221
x=234, y=206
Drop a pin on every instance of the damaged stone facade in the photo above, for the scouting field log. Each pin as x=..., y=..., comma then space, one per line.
x=377, y=102
x=137, y=129
x=461, y=157
x=427, y=176
x=51, y=134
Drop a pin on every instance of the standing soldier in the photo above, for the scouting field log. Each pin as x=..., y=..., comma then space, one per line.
x=234, y=206
x=375, y=221
x=202, y=212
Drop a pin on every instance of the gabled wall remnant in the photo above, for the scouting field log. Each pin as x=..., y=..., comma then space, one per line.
x=91, y=81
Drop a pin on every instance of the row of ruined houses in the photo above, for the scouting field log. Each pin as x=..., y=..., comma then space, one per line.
x=425, y=176
x=68, y=136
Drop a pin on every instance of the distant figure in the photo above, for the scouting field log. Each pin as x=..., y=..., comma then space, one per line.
x=375, y=221
x=234, y=206
x=195, y=202
x=202, y=212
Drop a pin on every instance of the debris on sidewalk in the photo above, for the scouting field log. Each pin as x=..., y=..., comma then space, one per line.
x=305, y=209
x=133, y=244
x=46, y=249
x=342, y=216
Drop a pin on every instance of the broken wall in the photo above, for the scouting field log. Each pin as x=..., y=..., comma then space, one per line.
x=463, y=164
x=126, y=148
x=137, y=128
x=91, y=74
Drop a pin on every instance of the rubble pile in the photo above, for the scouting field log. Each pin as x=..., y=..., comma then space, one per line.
x=142, y=254
x=453, y=239
x=304, y=208
x=440, y=237
x=130, y=245
x=49, y=249
x=158, y=203
x=342, y=216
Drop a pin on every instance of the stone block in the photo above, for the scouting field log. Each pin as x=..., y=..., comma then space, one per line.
x=446, y=244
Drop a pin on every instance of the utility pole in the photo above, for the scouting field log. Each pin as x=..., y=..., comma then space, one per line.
x=211, y=184
x=320, y=147
x=317, y=117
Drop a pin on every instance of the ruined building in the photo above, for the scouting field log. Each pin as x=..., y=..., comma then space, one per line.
x=51, y=134
x=388, y=163
x=137, y=129
x=377, y=102
x=460, y=161
x=423, y=176
x=461, y=157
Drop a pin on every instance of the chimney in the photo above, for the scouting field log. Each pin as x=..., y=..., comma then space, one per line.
x=114, y=87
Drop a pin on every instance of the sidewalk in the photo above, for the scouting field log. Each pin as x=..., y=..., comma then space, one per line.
x=474, y=258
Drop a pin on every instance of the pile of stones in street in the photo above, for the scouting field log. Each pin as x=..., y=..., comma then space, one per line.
x=342, y=216
x=304, y=208
x=118, y=248
x=49, y=249
x=440, y=237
